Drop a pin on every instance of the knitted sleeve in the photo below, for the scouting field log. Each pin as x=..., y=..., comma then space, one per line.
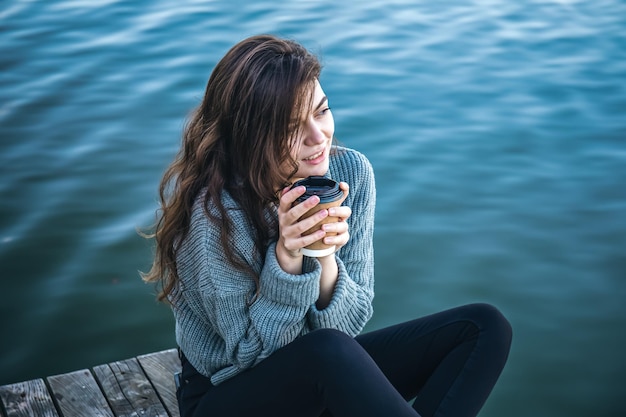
x=351, y=305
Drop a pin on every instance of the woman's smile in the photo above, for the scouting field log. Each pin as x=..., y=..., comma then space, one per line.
x=316, y=158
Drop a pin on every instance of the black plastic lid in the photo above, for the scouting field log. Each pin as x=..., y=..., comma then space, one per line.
x=326, y=189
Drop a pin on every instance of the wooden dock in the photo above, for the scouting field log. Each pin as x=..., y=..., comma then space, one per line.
x=140, y=386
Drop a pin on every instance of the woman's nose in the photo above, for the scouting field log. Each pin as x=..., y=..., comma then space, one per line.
x=314, y=133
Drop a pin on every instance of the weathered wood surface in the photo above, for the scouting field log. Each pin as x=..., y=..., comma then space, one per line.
x=78, y=394
x=141, y=386
x=159, y=367
x=128, y=389
x=26, y=399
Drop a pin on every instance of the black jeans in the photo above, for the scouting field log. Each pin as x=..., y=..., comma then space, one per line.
x=449, y=362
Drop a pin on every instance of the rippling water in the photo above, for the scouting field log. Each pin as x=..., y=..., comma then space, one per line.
x=497, y=131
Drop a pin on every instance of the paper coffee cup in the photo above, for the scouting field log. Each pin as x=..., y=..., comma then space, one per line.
x=330, y=195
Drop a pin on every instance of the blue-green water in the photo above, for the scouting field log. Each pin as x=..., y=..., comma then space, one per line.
x=497, y=130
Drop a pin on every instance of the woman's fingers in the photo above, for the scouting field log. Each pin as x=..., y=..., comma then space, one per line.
x=294, y=240
x=294, y=212
x=295, y=230
x=338, y=240
x=336, y=227
x=337, y=233
x=288, y=196
x=342, y=212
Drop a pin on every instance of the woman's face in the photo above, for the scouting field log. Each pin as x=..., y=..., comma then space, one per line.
x=316, y=128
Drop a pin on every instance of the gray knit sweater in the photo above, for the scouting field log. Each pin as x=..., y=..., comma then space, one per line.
x=217, y=328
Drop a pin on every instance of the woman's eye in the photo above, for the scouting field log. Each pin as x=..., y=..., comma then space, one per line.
x=324, y=111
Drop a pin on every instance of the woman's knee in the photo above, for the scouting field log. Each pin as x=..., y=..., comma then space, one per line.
x=330, y=346
x=490, y=320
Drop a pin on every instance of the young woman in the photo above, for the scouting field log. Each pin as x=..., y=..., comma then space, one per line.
x=264, y=330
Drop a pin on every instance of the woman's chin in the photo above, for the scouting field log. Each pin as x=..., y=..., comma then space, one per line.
x=319, y=170
x=308, y=169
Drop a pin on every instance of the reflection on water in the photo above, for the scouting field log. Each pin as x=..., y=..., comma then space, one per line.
x=495, y=128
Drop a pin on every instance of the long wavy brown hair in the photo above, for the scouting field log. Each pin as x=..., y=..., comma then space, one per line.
x=237, y=140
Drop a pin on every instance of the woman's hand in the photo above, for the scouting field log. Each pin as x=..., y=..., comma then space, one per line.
x=290, y=238
x=340, y=227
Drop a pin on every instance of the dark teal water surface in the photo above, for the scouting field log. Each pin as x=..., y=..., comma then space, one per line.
x=497, y=130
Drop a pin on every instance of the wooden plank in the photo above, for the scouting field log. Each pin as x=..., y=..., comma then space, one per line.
x=26, y=399
x=128, y=390
x=160, y=368
x=78, y=395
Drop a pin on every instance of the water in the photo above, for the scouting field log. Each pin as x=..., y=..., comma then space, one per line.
x=496, y=130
